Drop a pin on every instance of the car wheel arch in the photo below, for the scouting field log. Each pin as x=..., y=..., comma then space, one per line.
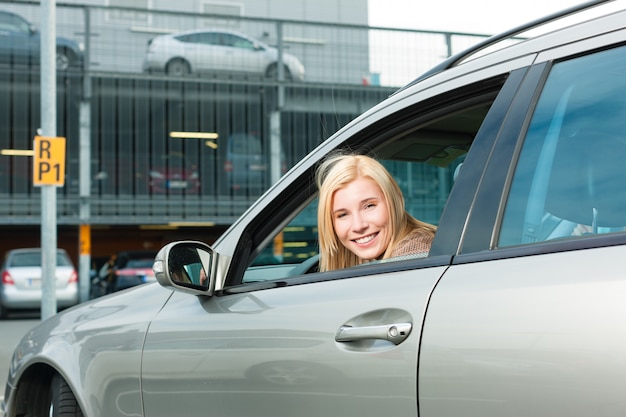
x=37, y=389
x=178, y=60
x=65, y=58
x=272, y=71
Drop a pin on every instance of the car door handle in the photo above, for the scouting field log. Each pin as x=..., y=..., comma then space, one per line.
x=395, y=333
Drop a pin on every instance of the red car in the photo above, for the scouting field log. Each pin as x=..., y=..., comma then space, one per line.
x=173, y=173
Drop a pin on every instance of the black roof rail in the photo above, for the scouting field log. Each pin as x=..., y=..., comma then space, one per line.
x=509, y=34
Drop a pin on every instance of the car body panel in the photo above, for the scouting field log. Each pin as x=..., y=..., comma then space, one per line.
x=107, y=335
x=527, y=336
x=280, y=345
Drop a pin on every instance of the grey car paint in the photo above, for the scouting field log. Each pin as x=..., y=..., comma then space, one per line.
x=278, y=347
x=97, y=347
x=538, y=335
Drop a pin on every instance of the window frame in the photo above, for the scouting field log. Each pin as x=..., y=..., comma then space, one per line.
x=548, y=68
x=481, y=234
x=369, y=139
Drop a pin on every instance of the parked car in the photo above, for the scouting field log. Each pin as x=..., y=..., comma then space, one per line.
x=20, y=44
x=20, y=288
x=123, y=270
x=516, y=311
x=246, y=164
x=174, y=174
x=217, y=51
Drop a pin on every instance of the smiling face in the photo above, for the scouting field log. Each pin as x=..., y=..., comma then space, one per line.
x=361, y=218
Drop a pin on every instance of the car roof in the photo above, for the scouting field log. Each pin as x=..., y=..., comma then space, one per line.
x=211, y=30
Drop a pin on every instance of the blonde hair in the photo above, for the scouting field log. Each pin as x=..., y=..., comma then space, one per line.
x=334, y=173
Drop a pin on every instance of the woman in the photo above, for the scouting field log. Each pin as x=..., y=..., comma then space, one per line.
x=361, y=215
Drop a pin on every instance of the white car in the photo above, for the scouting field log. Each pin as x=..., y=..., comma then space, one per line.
x=20, y=287
x=217, y=51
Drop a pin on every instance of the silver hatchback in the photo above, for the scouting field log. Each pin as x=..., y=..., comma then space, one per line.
x=21, y=280
x=516, y=152
x=217, y=51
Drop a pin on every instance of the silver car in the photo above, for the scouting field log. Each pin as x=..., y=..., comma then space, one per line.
x=517, y=154
x=217, y=51
x=20, y=288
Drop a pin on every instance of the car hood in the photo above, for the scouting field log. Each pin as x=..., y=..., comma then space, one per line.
x=107, y=335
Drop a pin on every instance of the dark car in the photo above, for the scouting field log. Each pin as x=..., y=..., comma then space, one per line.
x=246, y=165
x=516, y=310
x=123, y=270
x=20, y=44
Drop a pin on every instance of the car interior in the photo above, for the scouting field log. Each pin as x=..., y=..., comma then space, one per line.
x=424, y=160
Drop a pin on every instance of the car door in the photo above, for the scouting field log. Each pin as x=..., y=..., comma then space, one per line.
x=276, y=339
x=528, y=319
x=243, y=54
x=206, y=52
x=273, y=351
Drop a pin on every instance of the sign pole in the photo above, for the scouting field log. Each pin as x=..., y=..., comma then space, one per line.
x=48, y=129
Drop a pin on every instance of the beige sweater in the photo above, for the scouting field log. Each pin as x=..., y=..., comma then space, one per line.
x=414, y=243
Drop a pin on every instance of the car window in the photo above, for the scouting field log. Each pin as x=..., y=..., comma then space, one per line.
x=423, y=159
x=12, y=23
x=207, y=38
x=34, y=259
x=236, y=41
x=569, y=180
x=139, y=263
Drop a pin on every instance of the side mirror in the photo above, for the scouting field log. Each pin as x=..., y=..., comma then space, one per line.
x=186, y=266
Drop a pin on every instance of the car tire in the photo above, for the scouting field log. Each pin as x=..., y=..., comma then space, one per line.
x=4, y=312
x=178, y=67
x=62, y=400
x=272, y=72
x=64, y=59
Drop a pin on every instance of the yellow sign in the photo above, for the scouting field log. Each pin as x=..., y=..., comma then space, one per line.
x=49, y=161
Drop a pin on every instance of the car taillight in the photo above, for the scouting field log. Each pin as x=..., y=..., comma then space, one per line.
x=6, y=278
x=228, y=166
x=73, y=277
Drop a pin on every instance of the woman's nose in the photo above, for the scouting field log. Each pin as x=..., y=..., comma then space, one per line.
x=359, y=223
